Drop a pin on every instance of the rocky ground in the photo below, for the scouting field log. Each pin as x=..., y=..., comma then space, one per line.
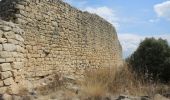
x=71, y=91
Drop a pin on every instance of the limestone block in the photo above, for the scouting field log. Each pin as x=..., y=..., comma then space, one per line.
x=8, y=81
x=5, y=67
x=9, y=59
x=17, y=65
x=1, y=84
x=1, y=48
x=18, y=30
x=15, y=73
x=5, y=75
x=9, y=35
x=19, y=38
x=20, y=49
x=9, y=47
x=7, y=97
x=1, y=33
x=13, y=41
x=3, y=90
x=2, y=60
x=18, y=6
x=13, y=89
x=3, y=40
x=14, y=54
x=6, y=28
x=5, y=54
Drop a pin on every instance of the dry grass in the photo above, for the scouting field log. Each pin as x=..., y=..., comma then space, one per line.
x=99, y=82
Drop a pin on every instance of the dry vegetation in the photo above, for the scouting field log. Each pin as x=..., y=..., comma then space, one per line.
x=103, y=81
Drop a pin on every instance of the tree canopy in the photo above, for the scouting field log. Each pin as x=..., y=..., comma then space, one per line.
x=152, y=59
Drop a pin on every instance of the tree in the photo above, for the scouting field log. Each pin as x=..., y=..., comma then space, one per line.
x=152, y=59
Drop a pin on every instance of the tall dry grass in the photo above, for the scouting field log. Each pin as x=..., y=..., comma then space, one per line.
x=99, y=82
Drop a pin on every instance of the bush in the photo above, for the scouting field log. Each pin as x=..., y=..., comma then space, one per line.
x=152, y=59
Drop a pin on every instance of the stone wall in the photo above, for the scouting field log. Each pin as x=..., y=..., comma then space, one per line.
x=58, y=38
x=12, y=55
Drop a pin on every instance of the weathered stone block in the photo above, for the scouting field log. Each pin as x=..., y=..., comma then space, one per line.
x=19, y=6
x=3, y=90
x=2, y=60
x=9, y=59
x=1, y=84
x=19, y=38
x=13, y=89
x=6, y=28
x=20, y=49
x=9, y=35
x=13, y=41
x=7, y=97
x=5, y=67
x=8, y=81
x=5, y=54
x=17, y=65
x=9, y=47
x=3, y=40
x=1, y=48
x=5, y=75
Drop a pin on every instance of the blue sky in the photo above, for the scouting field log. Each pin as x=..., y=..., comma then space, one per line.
x=134, y=19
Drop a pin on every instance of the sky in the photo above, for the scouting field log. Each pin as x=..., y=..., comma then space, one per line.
x=134, y=19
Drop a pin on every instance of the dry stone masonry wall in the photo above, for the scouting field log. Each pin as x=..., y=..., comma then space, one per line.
x=53, y=37
x=12, y=55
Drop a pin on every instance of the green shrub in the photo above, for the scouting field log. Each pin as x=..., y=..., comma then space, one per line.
x=152, y=59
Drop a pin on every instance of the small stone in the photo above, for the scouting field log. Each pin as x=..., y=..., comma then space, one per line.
x=9, y=47
x=5, y=67
x=8, y=81
x=5, y=75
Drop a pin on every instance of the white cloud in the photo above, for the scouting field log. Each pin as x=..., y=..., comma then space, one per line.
x=154, y=20
x=163, y=9
x=106, y=13
x=130, y=42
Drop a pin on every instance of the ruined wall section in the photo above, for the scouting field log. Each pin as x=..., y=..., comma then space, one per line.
x=12, y=57
x=60, y=38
